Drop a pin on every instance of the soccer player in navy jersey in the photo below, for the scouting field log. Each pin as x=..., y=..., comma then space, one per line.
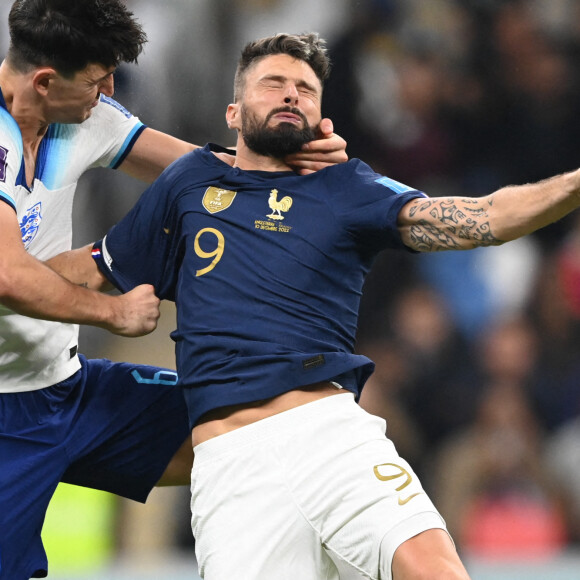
x=111, y=426
x=292, y=479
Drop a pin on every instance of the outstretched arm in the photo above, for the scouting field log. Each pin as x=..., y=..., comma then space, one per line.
x=152, y=153
x=463, y=223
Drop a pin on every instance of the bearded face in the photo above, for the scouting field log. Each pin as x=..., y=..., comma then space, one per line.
x=278, y=140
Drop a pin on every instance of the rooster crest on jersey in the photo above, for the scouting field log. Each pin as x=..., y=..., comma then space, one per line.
x=278, y=206
x=217, y=199
x=30, y=224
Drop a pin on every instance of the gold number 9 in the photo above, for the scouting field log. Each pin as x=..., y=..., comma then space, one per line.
x=215, y=254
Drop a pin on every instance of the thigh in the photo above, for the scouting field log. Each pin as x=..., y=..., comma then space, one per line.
x=354, y=487
x=431, y=552
x=131, y=420
x=245, y=521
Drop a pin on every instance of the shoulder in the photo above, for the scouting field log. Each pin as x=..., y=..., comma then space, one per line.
x=10, y=135
x=361, y=174
x=11, y=157
x=109, y=117
x=199, y=164
x=349, y=169
x=109, y=107
x=348, y=175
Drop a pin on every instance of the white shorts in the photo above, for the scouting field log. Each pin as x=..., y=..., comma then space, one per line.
x=314, y=493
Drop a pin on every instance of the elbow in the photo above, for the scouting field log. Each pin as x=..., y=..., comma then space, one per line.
x=498, y=235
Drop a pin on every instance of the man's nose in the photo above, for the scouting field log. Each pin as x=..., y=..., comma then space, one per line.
x=291, y=97
x=107, y=87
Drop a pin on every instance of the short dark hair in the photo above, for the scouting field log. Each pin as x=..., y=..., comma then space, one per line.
x=68, y=35
x=308, y=47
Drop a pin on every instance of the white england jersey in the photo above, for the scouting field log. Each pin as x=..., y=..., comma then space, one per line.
x=37, y=353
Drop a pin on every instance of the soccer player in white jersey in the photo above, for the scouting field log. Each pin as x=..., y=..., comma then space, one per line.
x=108, y=426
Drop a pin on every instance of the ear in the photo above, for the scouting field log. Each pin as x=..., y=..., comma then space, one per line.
x=233, y=117
x=42, y=78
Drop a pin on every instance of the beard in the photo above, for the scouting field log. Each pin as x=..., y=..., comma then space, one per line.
x=278, y=141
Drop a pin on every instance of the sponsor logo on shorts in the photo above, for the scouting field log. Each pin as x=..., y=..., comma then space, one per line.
x=394, y=472
x=162, y=377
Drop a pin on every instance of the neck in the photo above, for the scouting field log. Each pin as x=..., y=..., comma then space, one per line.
x=22, y=104
x=250, y=161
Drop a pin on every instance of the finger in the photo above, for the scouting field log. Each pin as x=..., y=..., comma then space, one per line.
x=322, y=146
x=306, y=168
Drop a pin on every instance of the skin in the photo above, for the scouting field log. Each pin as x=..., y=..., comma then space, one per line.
x=274, y=82
x=72, y=100
x=464, y=223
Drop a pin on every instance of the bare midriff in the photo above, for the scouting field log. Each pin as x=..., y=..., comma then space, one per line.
x=226, y=419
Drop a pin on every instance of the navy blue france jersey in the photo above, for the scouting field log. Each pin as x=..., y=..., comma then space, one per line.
x=266, y=269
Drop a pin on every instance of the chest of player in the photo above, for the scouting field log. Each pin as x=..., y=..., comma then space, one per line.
x=281, y=205
x=45, y=218
x=260, y=225
x=270, y=214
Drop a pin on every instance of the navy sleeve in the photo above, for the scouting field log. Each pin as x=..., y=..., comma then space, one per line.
x=141, y=249
x=369, y=204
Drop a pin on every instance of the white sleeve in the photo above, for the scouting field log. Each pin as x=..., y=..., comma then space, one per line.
x=10, y=157
x=113, y=130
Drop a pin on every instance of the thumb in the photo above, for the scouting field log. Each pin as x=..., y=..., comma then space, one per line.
x=326, y=127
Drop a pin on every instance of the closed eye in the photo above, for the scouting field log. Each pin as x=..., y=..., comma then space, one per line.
x=272, y=84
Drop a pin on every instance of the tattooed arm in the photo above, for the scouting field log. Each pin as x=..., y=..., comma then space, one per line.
x=462, y=223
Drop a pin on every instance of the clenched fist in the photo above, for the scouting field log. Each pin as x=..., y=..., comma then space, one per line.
x=137, y=312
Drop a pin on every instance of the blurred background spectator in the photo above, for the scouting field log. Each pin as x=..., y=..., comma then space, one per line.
x=490, y=478
x=476, y=352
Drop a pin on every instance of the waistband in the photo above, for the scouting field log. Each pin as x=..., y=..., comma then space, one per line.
x=270, y=427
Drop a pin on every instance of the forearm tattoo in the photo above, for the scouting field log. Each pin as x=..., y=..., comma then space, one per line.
x=450, y=224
